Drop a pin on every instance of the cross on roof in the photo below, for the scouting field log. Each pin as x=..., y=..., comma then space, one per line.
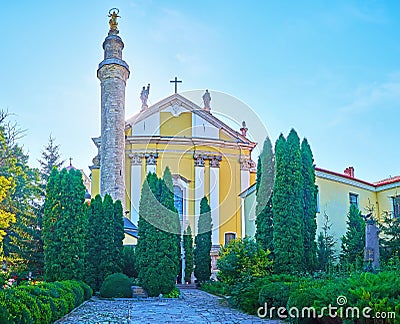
x=70, y=161
x=176, y=83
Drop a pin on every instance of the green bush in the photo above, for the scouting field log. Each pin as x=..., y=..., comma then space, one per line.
x=217, y=288
x=41, y=304
x=116, y=285
x=87, y=290
x=242, y=258
x=174, y=293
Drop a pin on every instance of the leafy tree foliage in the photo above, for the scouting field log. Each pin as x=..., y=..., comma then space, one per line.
x=6, y=218
x=202, y=258
x=64, y=226
x=157, y=246
x=310, y=207
x=265, y=184
x=353, y=241
x=241, y=259
x=288, y=236
x=188, y=247
x=326, y=246
x=21, y=247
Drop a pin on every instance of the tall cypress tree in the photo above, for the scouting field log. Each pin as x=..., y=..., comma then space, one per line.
x=258, y=174
x=353, y=241
x=104, y=240
x=94, y=243
x=310, y=207
x=202, y=258
x=118, y=233
x=188, y=247
x=288, y=235
x=265, y=182
x=156, y=255
x=172, y=224
x=64, y=226
x=107, y=249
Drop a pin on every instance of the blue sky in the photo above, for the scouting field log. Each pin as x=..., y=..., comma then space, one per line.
x=330, y=69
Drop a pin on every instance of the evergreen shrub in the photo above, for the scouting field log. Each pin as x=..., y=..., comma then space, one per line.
x=116, y=285
x=44, y=303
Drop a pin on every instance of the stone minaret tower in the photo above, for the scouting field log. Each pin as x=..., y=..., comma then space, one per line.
x=113, y=73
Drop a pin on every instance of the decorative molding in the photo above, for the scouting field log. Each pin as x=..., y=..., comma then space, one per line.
x=136, y=159
x=151, y=158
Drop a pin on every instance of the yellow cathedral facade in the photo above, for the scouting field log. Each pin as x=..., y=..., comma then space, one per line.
x=206, y=157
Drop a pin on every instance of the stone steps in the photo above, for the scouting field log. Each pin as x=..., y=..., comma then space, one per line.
x=186, y=286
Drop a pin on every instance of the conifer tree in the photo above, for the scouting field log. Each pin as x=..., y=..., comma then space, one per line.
x=202, y=258
x=265, y=182
x=172, y=223
x=288, y=235
x=104, y=240
x=353, y=241
x=188, y=247
x=107, y=250
x=390, y=228
x=51, y=158
x=118, y=233
x=326, y=246
x=258, y=174
x=310, y=207
x=64, y=226
x=94, y=243
x=156, y=261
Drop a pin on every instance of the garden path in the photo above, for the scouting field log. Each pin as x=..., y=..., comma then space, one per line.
x=196, y=307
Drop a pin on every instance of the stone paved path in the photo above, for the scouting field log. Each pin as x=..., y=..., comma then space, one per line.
x=196, y=307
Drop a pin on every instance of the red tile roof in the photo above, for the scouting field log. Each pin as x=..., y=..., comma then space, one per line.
x=375, y=184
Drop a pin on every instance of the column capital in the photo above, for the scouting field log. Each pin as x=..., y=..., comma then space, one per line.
x=247, y=164
x=215, y=161
x=136, y=158
x=151, y=158
x=199, y=160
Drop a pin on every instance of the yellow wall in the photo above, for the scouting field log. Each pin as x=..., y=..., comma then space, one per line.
x=230, y=205
x=384, y=199
x=95, y=182
x=176, y=126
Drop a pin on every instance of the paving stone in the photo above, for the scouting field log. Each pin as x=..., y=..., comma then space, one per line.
x=196, y=307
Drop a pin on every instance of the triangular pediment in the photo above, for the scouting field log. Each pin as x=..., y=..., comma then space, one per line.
x=176, y=104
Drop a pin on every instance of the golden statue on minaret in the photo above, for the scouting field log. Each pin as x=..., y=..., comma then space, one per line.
x=113, y=14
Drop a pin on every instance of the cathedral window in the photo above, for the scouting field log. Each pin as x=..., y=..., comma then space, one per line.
x=229, y=237
x=178, y=201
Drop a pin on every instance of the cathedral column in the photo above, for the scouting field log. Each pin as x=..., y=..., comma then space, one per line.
x=245, y=166
x=151, y=162
x=198, y=187
x=214, y=197
x=136, y=181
